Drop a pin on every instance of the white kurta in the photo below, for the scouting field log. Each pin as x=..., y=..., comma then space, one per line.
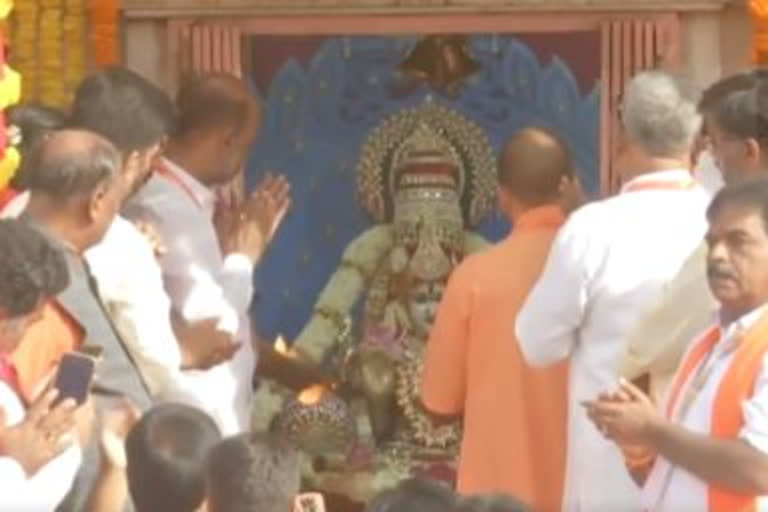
x=202, y=284
x=671, y=488
x=45, y=489
x=130, y=283
x=606, y=266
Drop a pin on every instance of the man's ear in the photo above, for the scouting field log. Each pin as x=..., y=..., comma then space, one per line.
x=97, y=200
x=752, y=150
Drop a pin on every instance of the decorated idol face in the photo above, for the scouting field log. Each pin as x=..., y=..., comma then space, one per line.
x=423, y=300
x=429, y=226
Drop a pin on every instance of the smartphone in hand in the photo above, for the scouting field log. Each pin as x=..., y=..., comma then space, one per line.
x=74, y=376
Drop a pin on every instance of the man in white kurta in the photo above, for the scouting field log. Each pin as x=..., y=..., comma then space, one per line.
x=686, y=306
x=203, y=283
x=607, y=264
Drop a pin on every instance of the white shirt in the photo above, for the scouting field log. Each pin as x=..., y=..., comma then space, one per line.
x=671, y=488
x=203, y=284
x=606, y=265
x=45, y=489
x=708, y=174
x=130, y=283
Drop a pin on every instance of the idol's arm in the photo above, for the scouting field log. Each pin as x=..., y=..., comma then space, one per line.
x=729, y=463
x=358, y=263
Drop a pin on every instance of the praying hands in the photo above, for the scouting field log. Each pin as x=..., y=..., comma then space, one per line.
x=626, y=416
x=248, y=226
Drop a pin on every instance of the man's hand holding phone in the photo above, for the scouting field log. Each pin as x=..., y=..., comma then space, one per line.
x=45, y=432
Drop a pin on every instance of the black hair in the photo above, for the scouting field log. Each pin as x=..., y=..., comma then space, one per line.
x=715, y=93
x=32, y=269
x=748, y=193
x=124, y=107
x=33, y=123
x=491, y=503
x=744, y=113
x=253, y=472
x=415, y=495
x=167, y=452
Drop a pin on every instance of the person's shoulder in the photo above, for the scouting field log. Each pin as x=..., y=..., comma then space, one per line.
x=588, y=217
x=11, y=405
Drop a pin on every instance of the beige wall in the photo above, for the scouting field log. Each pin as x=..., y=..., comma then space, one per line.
x=714, y=43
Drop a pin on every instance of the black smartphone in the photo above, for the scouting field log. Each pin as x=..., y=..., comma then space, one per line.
x=73, y=378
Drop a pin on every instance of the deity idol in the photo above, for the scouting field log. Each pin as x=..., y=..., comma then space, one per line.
x=425, y=176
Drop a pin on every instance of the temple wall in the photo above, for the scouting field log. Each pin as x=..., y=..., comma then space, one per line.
x=714, y=42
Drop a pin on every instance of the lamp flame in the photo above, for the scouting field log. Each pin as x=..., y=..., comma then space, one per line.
x=312, y=394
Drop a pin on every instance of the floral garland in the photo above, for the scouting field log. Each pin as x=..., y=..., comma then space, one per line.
x=104, y=30
x=759, y=10
x=50, y=47
x=10, y=91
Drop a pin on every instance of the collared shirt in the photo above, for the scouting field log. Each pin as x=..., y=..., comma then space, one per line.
x=671, y=488
x=129, y=281
x=202, y=283
x=512, y=443
x=708, y=174
x=607, y=264
x=44, y=490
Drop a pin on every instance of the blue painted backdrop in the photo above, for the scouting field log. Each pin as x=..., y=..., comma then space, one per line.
x=317, y=117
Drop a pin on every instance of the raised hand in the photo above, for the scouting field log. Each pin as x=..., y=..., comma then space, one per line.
x=269, y=204
x=45, y=432
x=249, y=228
x=115, y=427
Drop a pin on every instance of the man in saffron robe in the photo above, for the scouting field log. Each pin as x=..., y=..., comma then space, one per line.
x=474, y=368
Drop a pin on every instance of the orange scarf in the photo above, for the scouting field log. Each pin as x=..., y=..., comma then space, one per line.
x=737, y=386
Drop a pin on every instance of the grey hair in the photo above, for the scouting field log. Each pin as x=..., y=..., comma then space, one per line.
x=659, y=114
x=70, y=163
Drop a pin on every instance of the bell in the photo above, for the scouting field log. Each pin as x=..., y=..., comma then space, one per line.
x=442, y=62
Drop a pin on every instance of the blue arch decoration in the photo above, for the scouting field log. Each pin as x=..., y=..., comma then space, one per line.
x=317, y=119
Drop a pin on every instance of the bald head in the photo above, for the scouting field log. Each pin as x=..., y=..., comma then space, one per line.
x=215, y=100
x=70, y=163
x=532, y=166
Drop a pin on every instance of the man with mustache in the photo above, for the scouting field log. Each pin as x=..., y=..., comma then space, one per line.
x=706, y=448
x=735, y=115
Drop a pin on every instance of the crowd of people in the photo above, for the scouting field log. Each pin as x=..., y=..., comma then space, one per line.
x=604, y=356
x=634, y=374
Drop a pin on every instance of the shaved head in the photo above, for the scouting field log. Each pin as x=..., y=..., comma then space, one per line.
x=216, y=100
x=533, y=164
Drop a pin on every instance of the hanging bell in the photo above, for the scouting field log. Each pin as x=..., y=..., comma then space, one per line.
x=441, y=61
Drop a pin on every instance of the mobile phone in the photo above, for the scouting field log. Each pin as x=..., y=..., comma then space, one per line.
x=73, y=378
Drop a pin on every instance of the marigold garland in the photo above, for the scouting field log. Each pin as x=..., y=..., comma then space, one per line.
x=50, y=48
x=10, y=91
x=104, y=20
x=759, y=10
